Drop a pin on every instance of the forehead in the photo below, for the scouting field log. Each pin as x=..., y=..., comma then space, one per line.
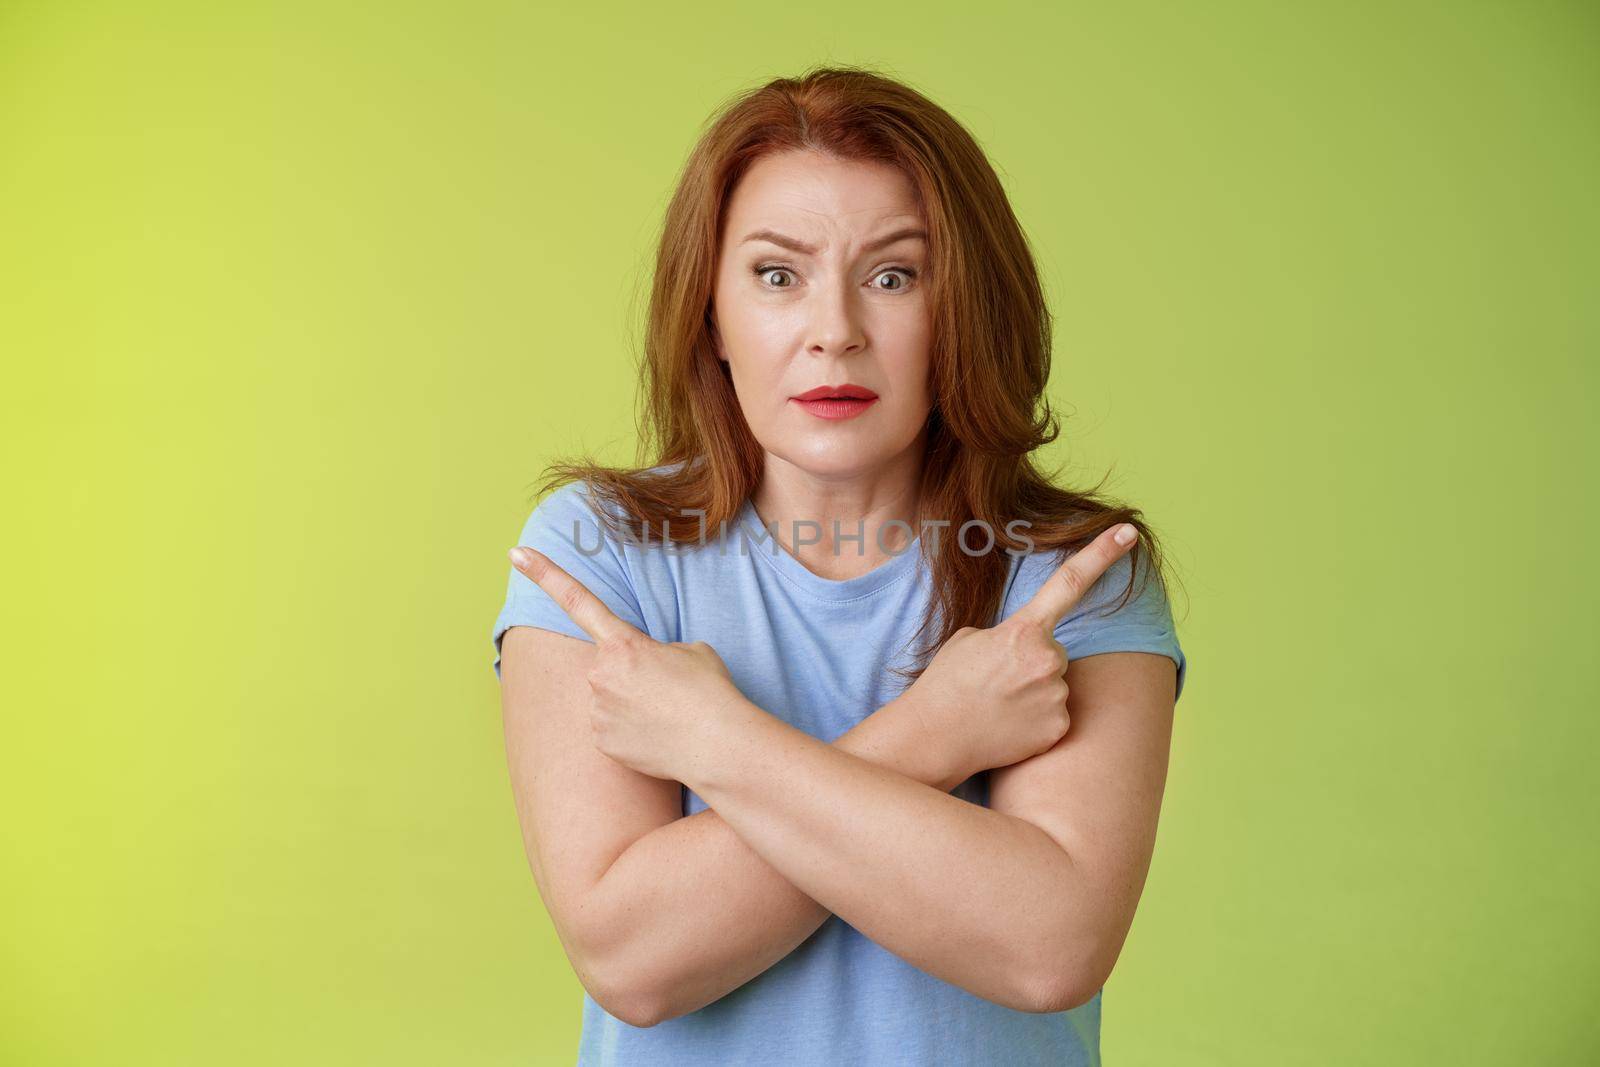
x=816, y=194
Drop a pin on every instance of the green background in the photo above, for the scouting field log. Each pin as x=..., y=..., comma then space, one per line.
x=296, y=300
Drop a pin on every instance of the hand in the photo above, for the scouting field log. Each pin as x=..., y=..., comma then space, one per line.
x=999, y=695
x=655, y=704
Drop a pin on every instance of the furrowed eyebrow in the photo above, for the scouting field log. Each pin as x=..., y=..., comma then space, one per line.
x=794, y=245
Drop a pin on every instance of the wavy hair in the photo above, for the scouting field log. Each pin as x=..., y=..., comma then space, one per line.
x=990, y=357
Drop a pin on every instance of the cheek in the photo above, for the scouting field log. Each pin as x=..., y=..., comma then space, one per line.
x=911, y=370
x=756, y=348
x=739, y=328
x=756, y=370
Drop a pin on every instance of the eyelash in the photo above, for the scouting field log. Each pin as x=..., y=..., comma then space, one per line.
x=909, y=272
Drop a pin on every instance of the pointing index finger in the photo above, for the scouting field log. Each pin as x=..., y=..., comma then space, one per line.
x=1066, y=586
x=573, y=597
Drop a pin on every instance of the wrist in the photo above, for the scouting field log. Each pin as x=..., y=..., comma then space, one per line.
x=722, y=744
x=898, y=736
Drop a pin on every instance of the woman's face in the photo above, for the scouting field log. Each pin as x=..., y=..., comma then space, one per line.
x=820, y=285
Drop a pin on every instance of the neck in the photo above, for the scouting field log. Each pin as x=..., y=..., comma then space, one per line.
x=818, y=516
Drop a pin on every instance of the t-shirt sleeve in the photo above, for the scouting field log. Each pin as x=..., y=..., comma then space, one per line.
x=1143, y=624
x=566, y=527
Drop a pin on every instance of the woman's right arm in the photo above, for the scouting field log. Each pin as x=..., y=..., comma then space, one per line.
x=660, y=914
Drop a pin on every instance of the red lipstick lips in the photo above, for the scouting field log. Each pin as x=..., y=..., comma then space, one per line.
x=837, y=401
x=852, y=392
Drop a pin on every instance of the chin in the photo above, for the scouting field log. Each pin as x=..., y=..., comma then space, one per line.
x=831, y=461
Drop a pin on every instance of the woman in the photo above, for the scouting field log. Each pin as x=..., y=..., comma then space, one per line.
x=756, y=840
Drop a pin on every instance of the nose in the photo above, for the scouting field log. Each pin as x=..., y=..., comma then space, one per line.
x=835, y=323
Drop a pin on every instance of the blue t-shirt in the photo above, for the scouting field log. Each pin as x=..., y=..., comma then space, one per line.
x=816, y=653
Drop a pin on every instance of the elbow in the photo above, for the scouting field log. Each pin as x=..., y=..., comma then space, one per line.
x=614, y=983
x=1061, y=993
x=606, y=961
x=628, y=1002
x=1064, y=980
x=630, y=988
x=638, y=1013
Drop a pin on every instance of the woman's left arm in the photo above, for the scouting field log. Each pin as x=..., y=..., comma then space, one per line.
x=1026, y=903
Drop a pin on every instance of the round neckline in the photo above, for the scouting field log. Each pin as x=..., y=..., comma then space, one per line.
x=760, y=542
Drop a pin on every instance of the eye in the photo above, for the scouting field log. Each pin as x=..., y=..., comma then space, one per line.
x=907, y=271
x=772, y=268
x=764, y=269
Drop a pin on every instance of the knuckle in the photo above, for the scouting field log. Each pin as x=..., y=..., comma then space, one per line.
x=1019, y=636
x=1039, y=657
x=1071, y=580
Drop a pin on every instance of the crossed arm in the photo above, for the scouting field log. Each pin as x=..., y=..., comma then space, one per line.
x=1026, y=902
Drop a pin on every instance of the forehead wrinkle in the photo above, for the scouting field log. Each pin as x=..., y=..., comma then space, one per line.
x=890, y=236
